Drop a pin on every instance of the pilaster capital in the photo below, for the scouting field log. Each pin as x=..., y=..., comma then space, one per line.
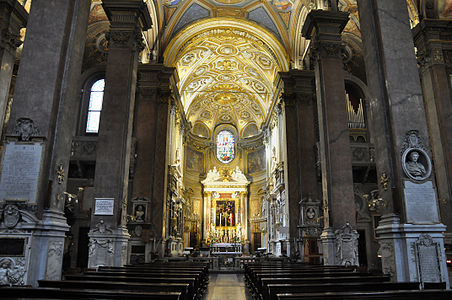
x=429, y=37
x=127, y=14
x=125, y=39
x=13, y=17
x=127, y=20
x=324, y=28
x=324, y=25
x=299, y=86
x=155, y=80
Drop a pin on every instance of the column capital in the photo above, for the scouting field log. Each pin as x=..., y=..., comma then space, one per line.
x=155, y=80
x=324, y=28
x=128, y=13
x=298, y=86
x=429, y=38
x=324, y=25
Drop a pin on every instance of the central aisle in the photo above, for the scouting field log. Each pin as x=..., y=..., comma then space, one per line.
x=227, y=287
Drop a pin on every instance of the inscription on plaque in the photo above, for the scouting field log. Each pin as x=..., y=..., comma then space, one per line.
x=104, y=206
x=420, y=203
x=12, y=247
x=428, y=264
x=20, y=171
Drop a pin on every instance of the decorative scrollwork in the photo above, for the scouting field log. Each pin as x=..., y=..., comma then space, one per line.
x=26, y=129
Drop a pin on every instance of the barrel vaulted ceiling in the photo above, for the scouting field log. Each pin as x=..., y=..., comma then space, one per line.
x=230, y=76
x=228, y=71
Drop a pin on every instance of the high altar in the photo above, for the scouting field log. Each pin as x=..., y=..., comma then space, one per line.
x=225, y=210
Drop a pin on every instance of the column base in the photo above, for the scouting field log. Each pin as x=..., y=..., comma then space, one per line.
x=108, y=248
x=38, y=250
x=341, y=246
x=174, y=246
x=328, y=240
x=412, y=252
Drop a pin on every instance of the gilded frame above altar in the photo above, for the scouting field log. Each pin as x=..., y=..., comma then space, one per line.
x=226, y=211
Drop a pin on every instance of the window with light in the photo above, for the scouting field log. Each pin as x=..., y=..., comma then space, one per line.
x=95, y=106
x=225, y=146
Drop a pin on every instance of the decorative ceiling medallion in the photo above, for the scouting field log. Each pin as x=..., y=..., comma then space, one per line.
x=201, y=70
x=226, y=77
x=226, y=65
x=206, y=114
x=245, y=115
x=225, y=98
x=226, y=118
x=259, y=87
x=227, y=50
x=252, y=71
x=187, y=59
x=265, y=61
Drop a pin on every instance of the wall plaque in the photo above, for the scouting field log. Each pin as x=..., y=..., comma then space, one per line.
x=20, y=171
x=12, y=247
x=428, y=259
x=420, y=203
x=104, y=206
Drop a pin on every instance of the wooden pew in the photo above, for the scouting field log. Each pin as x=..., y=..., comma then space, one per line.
x=183, y=288
x=56, y=293
x=273, y=289
x=382, y=295
x=201, y=282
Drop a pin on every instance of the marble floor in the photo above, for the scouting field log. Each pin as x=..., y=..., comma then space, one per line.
x=227, y=287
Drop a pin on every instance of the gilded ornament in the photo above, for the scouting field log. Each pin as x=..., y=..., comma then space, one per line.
x=384, y=181
x=60, y=173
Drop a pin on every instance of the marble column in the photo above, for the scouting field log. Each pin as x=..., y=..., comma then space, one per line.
x=431, y=40
x=339, y=238
x=27, y=170
x=108, y=234
x=13, y=17
x=301, y=137
x=151, y=132
x=410, y=234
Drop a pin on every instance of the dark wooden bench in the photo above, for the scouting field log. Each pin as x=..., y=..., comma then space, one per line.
x=194, y=287
x=383, y=295
x=201, y=281
x=183, y=288
x=56, y=293
x=272, y=290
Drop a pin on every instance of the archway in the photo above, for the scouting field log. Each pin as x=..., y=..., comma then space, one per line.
x=228, y=71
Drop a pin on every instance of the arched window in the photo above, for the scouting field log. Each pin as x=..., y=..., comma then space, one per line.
x=95, y=106
x=225, y=146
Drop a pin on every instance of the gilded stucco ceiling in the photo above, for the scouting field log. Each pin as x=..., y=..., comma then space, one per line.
x=231, y=76
x=227, y=75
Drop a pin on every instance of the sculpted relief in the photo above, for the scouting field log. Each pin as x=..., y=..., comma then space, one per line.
x=416, y=162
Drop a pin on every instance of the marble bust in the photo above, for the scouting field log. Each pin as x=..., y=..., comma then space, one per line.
x=415, y=168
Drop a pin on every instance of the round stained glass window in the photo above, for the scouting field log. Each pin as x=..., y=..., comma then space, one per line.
x=225, y=146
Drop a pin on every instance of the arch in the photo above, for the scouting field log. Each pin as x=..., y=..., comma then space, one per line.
x=201, y=130
x=227, y=70
x=260, y=34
